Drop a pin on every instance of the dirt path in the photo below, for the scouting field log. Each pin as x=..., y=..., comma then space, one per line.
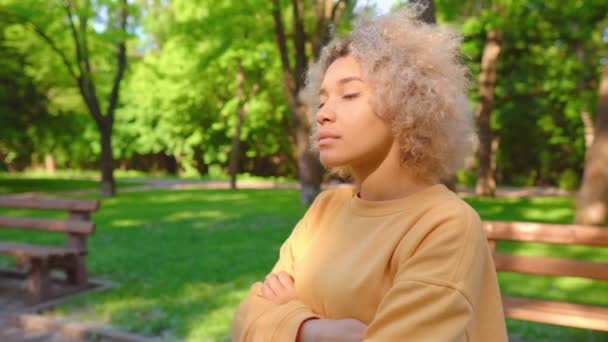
x=183, y=184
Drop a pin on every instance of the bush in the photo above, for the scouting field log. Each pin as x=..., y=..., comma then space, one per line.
x=569, y=180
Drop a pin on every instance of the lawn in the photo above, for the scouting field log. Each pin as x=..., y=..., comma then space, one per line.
x=184, y=259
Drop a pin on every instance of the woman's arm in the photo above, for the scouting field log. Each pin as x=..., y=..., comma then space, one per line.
x=279, y=289
x=262, y=319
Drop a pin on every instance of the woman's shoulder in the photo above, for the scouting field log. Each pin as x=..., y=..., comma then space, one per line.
x=334, y=196
x=448, y=205
x=448, y=217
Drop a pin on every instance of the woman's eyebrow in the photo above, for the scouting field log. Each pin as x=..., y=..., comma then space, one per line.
x=341, y=81
x=350, y=79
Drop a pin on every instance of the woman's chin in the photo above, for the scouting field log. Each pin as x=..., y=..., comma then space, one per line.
x=331, y=161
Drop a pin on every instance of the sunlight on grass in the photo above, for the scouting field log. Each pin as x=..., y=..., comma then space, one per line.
x=178, y=216
x=127, y=223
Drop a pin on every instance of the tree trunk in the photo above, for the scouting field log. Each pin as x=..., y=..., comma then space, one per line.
x=589, y=129
x=171, y=165
x=242, y=109
x=311, y=170
x=486, y=182
x=428, y=14
x=199, y=162
x=108, y=187
x=592, y=201
x=49, y=164
x=235, y=151
x=328, y=12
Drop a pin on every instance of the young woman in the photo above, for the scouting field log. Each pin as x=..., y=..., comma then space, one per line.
x=400, y=257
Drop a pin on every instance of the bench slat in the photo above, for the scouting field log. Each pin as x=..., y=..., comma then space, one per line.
x=39, y=202
x=551, y=266
x=26, y=250
x=546, y=233
x=69, y=226
x=567, y=314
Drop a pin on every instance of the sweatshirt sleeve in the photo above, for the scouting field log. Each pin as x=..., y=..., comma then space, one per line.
x=428, y=298
x=258, y=319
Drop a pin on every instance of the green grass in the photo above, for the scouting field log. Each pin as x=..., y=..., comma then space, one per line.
x=215, y=173
x=185, y=259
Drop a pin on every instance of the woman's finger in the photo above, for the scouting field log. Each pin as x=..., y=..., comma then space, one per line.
x=286, y=280
x=273, y=282
x=267, y=292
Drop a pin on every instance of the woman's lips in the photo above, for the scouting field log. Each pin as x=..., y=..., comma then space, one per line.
x=326, y=141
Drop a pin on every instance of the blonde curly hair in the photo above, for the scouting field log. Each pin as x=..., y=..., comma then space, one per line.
x=419, y=83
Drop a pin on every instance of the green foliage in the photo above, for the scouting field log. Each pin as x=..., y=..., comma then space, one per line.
x=179, y=96
x=38, y=31
x=569, y=180
x=548, y=73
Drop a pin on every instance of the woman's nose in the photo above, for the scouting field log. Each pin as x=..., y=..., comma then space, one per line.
x=325, y=114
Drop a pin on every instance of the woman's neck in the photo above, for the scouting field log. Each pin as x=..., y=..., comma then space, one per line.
x=388, y=180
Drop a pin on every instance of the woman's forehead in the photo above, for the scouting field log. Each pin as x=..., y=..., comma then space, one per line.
x=342, y=71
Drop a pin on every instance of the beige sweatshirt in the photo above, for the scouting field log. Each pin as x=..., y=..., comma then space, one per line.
x=416, y=268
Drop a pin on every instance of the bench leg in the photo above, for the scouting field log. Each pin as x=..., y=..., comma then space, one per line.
x=76, y=271
x=21, y=262
x=38, y=280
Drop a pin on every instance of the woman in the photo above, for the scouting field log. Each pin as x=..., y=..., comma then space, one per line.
x=400, y=257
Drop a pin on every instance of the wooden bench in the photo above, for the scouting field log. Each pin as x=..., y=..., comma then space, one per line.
x=40, y=260
x=544, y=311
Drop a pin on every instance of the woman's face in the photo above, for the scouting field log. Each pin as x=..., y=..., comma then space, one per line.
x=349, y=132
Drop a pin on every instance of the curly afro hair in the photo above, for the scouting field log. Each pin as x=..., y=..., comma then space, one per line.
x=420, y=87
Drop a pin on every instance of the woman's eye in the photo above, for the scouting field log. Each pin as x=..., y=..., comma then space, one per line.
x=350, y=96
x=321, y=105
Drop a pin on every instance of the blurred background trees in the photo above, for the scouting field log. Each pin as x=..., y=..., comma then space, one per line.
x=211, y=86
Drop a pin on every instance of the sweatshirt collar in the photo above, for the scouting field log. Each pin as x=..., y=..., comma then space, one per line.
x=381, y=208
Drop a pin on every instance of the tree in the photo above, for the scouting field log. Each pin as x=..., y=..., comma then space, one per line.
x=243, y=108
x=592, y=201
x=21, y=105
x=428, y=14
x=78, y=16
x=185, y=94
x=486, y=182
x=306, y=47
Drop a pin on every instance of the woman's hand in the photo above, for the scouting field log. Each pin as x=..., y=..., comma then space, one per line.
x=279, y=288
x=331, y=330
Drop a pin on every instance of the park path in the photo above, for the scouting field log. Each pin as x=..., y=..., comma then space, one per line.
x=186, y=184
x=12, y=334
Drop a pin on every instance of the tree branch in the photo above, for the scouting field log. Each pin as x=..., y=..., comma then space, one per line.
x=67, y=5
x=55, y=48
x=85, y=81
x=279, y=32
x=11, y=16
x=300, y=44
x=330, y=14
x=121, y=58
x=338, y=10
